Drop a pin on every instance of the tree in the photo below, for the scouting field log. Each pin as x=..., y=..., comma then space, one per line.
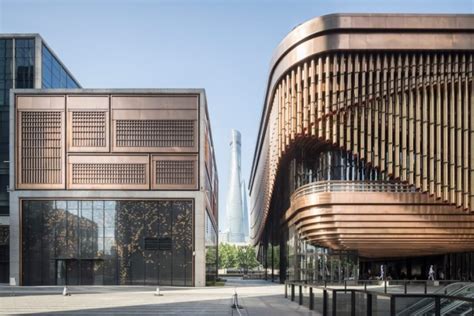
x=233, y=256
x=227, y=256
x=247, y=258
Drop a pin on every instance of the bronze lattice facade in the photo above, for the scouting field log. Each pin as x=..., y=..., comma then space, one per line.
x=121, y=184
x=366, y=142
x=110, y=142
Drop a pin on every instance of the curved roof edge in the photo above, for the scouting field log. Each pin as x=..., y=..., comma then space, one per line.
x=374, y=22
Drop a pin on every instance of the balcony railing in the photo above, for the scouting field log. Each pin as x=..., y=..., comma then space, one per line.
x=351, y=186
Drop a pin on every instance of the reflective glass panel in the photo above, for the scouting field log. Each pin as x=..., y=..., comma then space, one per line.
x=103, y=242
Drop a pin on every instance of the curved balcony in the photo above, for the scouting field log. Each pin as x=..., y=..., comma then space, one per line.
x=378, y=219
x=351, y=186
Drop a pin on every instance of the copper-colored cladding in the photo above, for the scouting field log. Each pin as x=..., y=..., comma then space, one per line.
x=211, y=180
x=108, y=172
x=394, y=90
x=101, y=154
x=154, y=124
x=40, y=143
x=88, y=121
x=174, y=172
x=395, y=223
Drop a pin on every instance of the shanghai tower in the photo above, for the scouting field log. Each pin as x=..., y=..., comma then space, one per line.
x=234, y=203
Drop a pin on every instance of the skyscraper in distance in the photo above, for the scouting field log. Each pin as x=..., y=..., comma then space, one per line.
x=234, y=204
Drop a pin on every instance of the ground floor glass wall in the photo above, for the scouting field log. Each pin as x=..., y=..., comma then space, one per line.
x=107, y=242
x=4, y=254
x=313, y=264
x=453, y=266
x=211, y=251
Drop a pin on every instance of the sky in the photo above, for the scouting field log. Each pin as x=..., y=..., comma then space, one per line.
x=222, y=46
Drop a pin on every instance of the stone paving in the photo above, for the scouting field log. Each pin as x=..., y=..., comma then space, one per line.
x=259, y=298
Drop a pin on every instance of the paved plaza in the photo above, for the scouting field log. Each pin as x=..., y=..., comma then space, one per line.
x=256, y=298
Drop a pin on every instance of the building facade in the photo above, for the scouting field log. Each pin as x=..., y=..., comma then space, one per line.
x=112, y=187
x=245, y=211
x=26, y=61
x=365, y=153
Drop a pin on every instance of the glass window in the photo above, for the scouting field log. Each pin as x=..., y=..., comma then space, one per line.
x=102, y=242
x=6, y=71
x=211, y=251
x=25, y=63
x=4, y=254
x=54, y=75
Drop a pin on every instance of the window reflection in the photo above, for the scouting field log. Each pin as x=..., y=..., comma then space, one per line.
x=54, y=75
x=25, y=63
x=102, y=242
x=211, y=251
x=330, y=164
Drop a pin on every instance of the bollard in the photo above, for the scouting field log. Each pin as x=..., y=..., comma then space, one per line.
x=66, y=291
x=235, y=300
x=158, y=292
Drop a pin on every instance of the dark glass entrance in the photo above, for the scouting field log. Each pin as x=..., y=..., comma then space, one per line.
x=107, y=242
x=77, y=272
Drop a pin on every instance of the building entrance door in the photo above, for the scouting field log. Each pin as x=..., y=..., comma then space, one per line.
x=74, y=272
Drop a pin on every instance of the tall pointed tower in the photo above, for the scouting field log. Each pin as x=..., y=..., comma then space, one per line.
x=234, y=193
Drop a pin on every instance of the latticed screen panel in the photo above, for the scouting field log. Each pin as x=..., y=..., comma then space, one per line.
x=155, y=133
x=41, y=147
x=174, y=172
x=109, y=173
x=89, y=129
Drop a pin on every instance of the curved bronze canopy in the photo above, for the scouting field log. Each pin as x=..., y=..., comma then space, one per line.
x=395, y=91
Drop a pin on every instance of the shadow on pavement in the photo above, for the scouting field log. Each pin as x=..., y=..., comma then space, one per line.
x=78, y=289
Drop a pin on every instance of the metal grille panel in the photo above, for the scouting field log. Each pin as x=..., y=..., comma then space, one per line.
x=108, y=173
x=41, y=147
x=155, y=133
x=89, y=129
x=175, y=172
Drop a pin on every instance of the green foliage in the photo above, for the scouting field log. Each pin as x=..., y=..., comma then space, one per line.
x=247, y=258
x=233, y=256
x=211, y=256
x=227, y=256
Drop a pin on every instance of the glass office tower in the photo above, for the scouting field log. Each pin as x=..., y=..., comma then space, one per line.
x=26, y=61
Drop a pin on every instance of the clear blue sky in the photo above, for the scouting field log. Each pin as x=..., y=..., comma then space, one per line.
x=222, y=46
